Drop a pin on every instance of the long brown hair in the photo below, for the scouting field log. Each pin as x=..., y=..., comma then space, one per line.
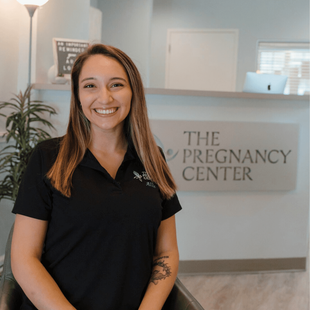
x=75, y=142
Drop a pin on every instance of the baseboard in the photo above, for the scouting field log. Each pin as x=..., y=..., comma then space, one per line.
x=242, y=265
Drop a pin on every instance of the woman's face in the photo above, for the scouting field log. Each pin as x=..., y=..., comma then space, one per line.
x=105, y=93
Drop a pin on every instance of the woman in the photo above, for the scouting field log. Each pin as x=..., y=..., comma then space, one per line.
x=95, y=226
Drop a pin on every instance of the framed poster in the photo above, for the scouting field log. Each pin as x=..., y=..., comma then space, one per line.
x=65, y=53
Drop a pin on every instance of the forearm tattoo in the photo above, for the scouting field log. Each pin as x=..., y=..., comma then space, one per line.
x=161, y=270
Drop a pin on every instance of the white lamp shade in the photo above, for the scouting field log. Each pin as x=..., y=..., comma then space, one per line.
x=32, y=2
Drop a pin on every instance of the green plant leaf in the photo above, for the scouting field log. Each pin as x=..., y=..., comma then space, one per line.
x=22, y=137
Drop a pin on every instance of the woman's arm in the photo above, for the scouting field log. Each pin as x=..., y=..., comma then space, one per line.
x=27, y=245
x=165, y=267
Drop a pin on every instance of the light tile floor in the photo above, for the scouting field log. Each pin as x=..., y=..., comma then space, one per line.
x=263, y=291
x=260, y=291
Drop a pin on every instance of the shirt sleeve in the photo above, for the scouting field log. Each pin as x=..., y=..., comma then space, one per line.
x=170, y=207
x=34, y=195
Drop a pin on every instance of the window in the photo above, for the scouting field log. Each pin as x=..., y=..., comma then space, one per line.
x=291, y=59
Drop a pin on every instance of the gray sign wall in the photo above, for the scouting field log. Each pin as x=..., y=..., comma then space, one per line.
x=225, y=156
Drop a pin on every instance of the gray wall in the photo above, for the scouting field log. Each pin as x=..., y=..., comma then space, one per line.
x=10, y=13
x=285, y=20
x=58, y=19
x=126, y=25
x=245, y=224
x=94, y=3
x=13, y=19
x=242, y=225
x=232, y=225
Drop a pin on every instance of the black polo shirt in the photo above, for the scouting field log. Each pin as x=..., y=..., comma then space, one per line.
x=100, y=242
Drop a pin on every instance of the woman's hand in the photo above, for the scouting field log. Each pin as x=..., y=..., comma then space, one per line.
x=27, y=245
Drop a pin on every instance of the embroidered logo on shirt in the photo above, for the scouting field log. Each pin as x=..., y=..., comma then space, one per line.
x=144, y=176
x=151, y=184
x=137, y=176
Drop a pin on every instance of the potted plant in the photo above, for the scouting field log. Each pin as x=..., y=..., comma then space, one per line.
x=23, y=132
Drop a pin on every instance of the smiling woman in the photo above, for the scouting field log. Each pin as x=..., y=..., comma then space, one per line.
x=105, y=94
x=95, y=211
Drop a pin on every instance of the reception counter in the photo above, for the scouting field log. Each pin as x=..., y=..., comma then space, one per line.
x=182, y=92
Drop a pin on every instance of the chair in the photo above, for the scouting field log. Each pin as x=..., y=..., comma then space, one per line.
x=11, y=293
x=180, y=299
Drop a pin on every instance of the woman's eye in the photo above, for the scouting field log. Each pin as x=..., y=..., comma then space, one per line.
x=89, y=86
x=117, y=85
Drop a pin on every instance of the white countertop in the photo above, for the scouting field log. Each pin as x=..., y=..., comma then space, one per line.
x=182, y=92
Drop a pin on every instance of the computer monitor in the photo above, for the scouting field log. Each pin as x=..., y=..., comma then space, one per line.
x=264, y=83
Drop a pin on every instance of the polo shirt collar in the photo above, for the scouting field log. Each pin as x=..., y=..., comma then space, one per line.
x=89, y=160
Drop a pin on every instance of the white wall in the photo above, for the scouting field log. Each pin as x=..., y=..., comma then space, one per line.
x=238, y=225
x=94, y=3
x=14, y=18
x=13, y=26
x=232, y=225
x=67, y=19
x=57, y=18
x=286, y=20
x=242, y=225
x=126, y=25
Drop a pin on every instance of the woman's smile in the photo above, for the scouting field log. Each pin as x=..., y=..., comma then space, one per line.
x=107, y=111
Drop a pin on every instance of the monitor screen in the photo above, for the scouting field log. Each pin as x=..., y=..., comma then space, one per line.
x=264, y=83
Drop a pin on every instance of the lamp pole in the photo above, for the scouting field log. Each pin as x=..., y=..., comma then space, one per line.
x=31, y=6
x=31, y=9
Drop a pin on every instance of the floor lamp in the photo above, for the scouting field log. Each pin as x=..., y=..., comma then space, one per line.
x=31, y=6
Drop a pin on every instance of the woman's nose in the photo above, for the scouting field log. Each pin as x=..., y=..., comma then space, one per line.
x=105, y=95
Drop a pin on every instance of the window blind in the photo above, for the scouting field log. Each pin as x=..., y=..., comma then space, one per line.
x=291, y=59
